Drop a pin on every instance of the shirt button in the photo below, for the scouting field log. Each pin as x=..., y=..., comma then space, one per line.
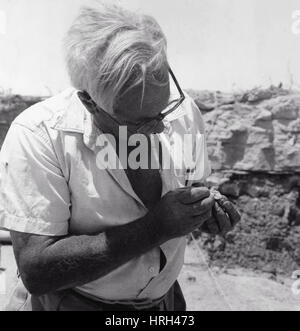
x=151, y=270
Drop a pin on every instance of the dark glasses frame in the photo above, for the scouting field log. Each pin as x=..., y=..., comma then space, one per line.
x=163, y=115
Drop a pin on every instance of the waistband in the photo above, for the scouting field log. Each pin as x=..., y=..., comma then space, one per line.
x=138, y=304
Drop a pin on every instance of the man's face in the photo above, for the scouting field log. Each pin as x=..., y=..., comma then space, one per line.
x=133, y=111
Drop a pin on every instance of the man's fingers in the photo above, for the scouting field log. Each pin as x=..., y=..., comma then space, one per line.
x=201, y=221
x=203, y=207
x=230, y=209
x=222, y=219
x=193, y=194
x=211, y=227
x=198, y=184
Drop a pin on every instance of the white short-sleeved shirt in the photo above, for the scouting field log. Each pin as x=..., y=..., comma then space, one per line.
x=51, y=185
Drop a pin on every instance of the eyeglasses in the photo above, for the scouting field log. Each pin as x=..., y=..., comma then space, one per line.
x=149, y=125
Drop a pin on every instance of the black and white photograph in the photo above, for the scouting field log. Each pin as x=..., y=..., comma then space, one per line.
x=150, y=158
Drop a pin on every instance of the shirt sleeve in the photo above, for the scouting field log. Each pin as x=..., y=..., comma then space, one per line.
x=34, y=195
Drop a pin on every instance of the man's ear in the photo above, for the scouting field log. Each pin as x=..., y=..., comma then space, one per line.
x=88, y=102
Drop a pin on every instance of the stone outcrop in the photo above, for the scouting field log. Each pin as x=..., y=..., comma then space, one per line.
x=268, y=236
x=257, y=131
x=254, y=146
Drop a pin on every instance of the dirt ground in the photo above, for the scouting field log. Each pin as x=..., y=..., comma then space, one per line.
x=234, y=289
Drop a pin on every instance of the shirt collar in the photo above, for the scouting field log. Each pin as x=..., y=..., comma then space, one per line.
x=74, y=117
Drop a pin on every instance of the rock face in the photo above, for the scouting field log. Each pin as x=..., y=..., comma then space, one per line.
x=268, y=236
x=259, y=131
x=254, y=147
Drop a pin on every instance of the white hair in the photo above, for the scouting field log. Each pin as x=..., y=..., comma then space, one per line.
x=110, y=50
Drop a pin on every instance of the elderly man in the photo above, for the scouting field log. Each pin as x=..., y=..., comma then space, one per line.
x=93, y=238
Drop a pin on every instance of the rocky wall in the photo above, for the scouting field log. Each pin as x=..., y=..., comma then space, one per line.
x=254, y=146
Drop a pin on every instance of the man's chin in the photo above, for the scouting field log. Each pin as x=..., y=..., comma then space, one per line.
x=159, y=129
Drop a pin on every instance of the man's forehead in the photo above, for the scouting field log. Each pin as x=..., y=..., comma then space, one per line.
x=150, y=94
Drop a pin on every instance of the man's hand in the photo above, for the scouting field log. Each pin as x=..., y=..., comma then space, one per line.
x=182, y=211
x=225, y=216
x=50, y=264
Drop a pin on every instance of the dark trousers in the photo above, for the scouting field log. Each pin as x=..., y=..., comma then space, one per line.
x=70, y=300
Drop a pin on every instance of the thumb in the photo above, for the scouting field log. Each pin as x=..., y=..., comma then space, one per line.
x=192, y=195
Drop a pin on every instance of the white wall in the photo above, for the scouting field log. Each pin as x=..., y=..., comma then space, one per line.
x=214, y=44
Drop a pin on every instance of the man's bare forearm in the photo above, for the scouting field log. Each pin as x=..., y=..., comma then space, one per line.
x=73, y=261
x=51, y=264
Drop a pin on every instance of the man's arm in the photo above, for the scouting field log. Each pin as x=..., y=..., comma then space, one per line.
x=50, y=264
